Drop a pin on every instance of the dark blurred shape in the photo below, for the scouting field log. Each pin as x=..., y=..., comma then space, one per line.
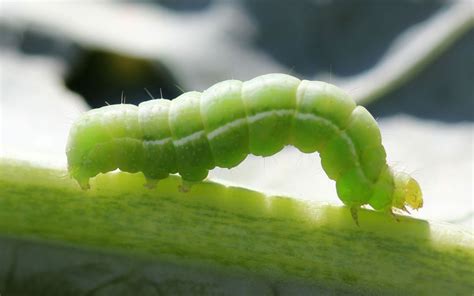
x=101, y=76
x=97, y=75
x=343, y=37
x=444, y=90
x=37, y=42
x=9, y=36
x=184, y=5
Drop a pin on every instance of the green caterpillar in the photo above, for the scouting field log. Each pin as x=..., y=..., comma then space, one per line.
x=196, y=132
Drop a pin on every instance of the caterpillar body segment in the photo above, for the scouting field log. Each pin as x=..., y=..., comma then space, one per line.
x=225, y=123
x=222, y=125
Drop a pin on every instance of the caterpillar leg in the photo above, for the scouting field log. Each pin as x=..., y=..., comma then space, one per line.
x=84, y=183
x=189, y=178
x=151, y=183
x=405, y=210
x=185, y=186
x=390, y=211
x=355, y=215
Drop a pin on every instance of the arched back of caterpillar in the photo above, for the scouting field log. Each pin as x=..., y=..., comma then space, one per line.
x=219, y=127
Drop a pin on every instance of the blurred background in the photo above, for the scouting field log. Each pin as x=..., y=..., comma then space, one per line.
x=410, y=62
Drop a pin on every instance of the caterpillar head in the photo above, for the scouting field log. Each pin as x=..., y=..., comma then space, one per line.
x=407, y=192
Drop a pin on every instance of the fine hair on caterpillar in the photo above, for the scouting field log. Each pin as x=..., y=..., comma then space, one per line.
x=219, y=127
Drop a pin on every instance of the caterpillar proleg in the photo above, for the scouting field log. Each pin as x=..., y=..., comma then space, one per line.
x=219, y=127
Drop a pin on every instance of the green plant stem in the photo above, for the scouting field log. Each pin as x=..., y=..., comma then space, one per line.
x=229, y=230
